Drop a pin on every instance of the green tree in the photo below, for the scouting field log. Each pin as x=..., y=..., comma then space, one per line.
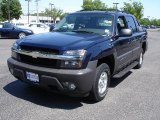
x=63, y=15
x=158, y=21
x=111, y=9
x=135, y=8
x=145, y=21
x=54, y=13
x=1, y=19
x=154, y=22
x=40, y=14
x=12, y=7
x=94, y=5
x=87, y=5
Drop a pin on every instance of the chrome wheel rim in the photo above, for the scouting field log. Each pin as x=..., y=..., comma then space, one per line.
x=141, y=59
x=22, y=35
x=102, y=84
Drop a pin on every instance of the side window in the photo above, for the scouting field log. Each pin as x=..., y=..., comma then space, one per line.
x=7, y=25
x=121, y=23
x=39, y=25
x=131, y=23
x=30, y=25
x=33, y=25
x=42, y=26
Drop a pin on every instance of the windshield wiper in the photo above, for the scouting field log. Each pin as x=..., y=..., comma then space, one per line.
x=77, y=31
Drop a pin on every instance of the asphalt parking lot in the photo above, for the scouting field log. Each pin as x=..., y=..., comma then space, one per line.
x=136, y=96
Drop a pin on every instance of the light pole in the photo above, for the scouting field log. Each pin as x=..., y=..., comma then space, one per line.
x=9, y=16
x=51, y=4
x=83, y=2
x=116, y=4
x=28, y=9
x=37, y=10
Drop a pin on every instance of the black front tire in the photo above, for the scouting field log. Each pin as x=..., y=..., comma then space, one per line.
x=95, y=94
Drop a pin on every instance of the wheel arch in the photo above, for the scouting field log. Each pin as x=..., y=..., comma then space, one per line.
x=144, y=47
x=110, y=61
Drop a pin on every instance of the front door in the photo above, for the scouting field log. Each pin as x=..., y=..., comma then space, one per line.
x=123, y=45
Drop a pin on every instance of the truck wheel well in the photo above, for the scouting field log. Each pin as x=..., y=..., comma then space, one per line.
x=109, y=60
x=144, y=47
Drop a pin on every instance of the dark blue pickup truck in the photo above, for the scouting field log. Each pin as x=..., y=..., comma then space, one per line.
x=84, y=51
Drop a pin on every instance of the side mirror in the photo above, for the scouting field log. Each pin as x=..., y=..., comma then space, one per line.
x=125, y=33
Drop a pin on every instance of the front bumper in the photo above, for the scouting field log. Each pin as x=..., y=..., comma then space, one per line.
x=54, y=78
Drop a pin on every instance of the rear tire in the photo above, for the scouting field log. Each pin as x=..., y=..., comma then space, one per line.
x=140, y=60
x=101, y=84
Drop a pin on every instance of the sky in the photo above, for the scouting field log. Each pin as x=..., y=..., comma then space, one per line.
x=151, y=8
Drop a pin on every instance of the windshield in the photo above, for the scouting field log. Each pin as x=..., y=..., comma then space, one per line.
x=86, y=22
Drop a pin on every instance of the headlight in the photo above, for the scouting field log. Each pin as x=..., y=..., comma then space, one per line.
x=29, y=31
x=14, y=47
x=73, y=64
x=78, y=53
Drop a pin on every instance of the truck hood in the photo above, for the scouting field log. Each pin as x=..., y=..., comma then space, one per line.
x=62, y=40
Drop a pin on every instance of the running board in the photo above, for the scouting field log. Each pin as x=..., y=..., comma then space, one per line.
x=124, y=71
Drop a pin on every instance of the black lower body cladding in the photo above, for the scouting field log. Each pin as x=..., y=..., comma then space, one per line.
x=55, y=78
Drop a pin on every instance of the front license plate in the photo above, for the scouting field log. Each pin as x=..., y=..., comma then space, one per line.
x=32, y=77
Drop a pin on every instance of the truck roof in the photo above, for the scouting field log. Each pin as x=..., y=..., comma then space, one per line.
x=103, y=11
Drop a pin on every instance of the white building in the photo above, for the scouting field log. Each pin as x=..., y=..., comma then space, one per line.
x=24, y=19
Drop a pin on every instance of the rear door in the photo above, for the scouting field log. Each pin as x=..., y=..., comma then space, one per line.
x=136, y=39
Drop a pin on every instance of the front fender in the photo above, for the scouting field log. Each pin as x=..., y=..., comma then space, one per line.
x=98, y=51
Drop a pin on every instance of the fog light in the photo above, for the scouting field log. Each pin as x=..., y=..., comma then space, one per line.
x=69, y=85
x=72, y=86
x=65, y=84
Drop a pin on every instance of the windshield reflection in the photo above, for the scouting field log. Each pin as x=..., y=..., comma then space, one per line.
x=101, y=24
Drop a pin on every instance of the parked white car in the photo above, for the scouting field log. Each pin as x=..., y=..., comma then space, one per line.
x=21, y=25
x=38, y=27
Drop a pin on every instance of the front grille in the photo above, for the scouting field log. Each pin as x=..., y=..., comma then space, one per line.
x=41, y=62
x=42, y=50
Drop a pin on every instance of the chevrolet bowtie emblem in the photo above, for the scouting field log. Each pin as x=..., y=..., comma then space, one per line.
x=35, y=54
